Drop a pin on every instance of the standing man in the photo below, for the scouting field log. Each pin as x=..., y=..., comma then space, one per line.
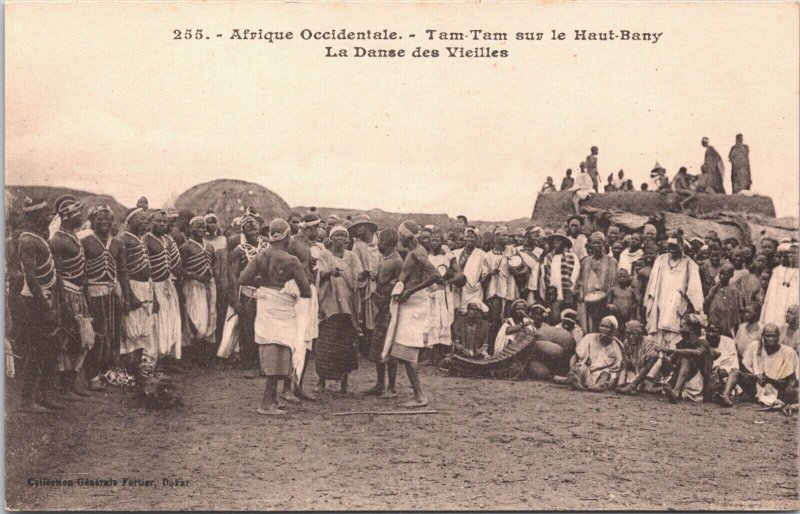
x=138, y=342
x=388, y=274
x=597, y=276
x=307, y=309
x=632, y=253
x=70, y=262
x=470, y=261
x=243, y=298
x=38, y=318
x=498, y=281
x=365, y=246
x=282, y=281
x=219, y=242
x=674, y=286
x=199, y=289
x=740, y=165
x=591, y=167
x=715, y=167
x=106, y=269
x=574, y=226
x=411, y=309
x=560, y=269
x=724, y=303
x=167, y=322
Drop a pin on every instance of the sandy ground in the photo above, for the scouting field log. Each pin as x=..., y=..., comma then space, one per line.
x=493, y=445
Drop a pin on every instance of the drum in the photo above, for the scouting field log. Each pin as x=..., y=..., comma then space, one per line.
x=594, y=297
x=516, y=265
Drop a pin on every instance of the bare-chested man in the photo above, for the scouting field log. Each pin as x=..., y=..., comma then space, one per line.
x=70, y=262
x=38, y=318
x=200, y=291
x=413, y=305
x=243, y=298
x=106, y=270
x=276, y=325
x=138, y=342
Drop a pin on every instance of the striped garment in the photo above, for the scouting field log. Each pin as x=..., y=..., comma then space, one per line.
x=567, y=266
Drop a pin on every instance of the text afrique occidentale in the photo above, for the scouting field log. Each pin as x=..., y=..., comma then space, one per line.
x=471, y=36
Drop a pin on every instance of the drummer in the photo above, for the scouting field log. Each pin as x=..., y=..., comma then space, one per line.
x=597, y=276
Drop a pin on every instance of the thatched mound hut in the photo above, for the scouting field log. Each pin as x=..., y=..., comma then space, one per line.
x=15, y=195
x=229, y=198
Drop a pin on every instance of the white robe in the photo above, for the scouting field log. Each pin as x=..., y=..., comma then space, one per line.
x=667, y=293
x=783, y=291
x=473, y=271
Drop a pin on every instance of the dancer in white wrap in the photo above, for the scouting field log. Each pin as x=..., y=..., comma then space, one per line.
x=282, y=281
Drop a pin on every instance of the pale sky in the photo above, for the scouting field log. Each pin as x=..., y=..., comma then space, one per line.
x=100, y=97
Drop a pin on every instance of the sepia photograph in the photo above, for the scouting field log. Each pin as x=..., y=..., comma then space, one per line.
x=412, y=256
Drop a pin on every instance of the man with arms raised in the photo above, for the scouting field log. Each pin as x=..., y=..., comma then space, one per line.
x=282, y=281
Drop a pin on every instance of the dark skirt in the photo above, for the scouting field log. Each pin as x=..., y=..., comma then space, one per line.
x=378, y=338
x=335, y=350
x=106, y=311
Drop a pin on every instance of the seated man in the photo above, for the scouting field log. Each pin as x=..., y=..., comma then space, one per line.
x=517, y=321
x=724, y=355
x=471, y=332
x=598, y=360
x=638, y=351
x=769, y=373
x=689, y=362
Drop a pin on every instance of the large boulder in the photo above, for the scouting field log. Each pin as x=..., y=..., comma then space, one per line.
x=229, y=198
x=552, y=209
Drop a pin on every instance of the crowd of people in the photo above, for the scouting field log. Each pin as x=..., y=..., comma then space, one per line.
x=122, y=302
x=710, y=179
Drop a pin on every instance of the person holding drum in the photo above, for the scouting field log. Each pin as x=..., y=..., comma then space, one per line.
x=597, y=276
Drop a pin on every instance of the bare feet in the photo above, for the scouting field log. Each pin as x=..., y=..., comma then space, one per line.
x=388, y=394
x=305, y=396
x=35, y=408
x=416, y=402
x=50, y=404
x=374, y=391
x=629, y=390
x=290, y=397
x=561, y=380
x=672, y=396
x=271, y=411
x=69, y=396
x=256, y=373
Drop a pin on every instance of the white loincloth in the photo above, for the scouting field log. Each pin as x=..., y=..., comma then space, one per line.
x=412, y=320
x=276, y=322
x=201, y=311
x=307, y=312
x=167, y=324
x=138, y=323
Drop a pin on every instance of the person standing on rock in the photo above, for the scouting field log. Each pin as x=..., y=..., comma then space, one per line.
x=591, y=167
x=740, y=165
x=716, y=167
